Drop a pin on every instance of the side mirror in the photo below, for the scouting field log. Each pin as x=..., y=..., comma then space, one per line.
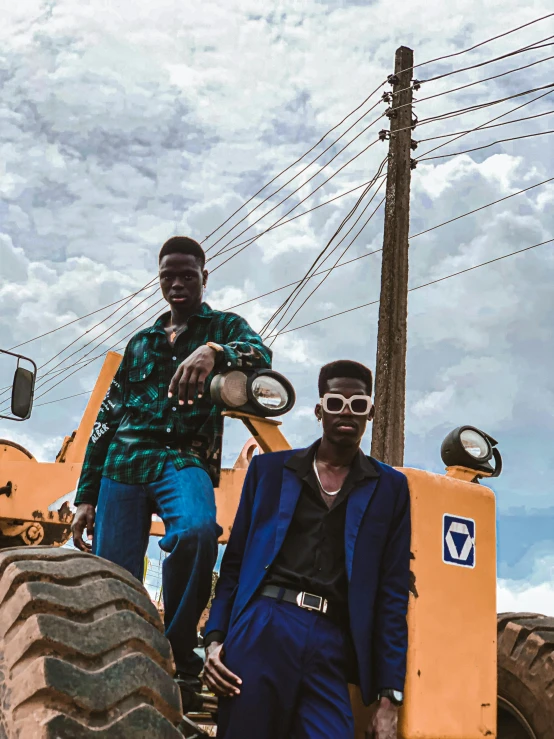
x=23, y=389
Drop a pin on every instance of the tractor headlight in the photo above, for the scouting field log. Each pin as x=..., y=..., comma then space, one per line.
x=270, y=393
x=475, y=444
x=469, y=447
x=261, y=392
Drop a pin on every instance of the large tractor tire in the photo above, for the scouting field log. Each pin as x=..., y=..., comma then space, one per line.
x=82, y=651
x=525, y=676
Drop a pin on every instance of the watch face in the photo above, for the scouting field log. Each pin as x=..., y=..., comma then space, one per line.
x=398, y=696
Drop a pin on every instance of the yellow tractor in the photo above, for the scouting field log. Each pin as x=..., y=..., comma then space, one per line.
x=82, y=649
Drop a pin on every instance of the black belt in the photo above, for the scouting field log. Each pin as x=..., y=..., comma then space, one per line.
x=335, y=611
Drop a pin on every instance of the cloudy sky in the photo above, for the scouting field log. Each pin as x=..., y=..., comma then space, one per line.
x=123, y=123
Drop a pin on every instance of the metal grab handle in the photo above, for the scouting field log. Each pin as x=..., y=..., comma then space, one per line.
x=6, y=489
x=498, y=463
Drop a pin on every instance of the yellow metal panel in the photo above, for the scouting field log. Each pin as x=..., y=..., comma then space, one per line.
x=76, y=449
x=451, y=682
x=36, y=485
x=451, y=686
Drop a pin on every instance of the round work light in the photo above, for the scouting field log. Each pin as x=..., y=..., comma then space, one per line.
x=475, y=444
x=469, y=447
x=260, y=392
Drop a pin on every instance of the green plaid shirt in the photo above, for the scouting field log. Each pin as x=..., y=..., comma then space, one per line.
x=139, y=428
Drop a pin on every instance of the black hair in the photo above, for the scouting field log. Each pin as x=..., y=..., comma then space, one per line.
x=344, y=368
x=183, y=245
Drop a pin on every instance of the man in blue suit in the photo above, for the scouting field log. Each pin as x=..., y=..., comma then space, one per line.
x=314, y=583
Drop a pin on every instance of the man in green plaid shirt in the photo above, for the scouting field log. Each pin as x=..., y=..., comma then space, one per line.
x=156, y=447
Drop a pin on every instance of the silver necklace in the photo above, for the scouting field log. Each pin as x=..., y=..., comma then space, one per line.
x=319, y=480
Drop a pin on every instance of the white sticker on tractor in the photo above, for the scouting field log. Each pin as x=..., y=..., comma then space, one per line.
x=458, y=541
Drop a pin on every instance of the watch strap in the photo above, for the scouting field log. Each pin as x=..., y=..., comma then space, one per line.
x=396, y=697
x=216, y=347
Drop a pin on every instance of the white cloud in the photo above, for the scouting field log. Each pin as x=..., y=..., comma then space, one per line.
x=521, y=598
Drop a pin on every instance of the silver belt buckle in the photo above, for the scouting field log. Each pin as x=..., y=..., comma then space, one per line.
x=317, y=604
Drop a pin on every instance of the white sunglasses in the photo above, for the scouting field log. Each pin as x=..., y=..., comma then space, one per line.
x=359, y=405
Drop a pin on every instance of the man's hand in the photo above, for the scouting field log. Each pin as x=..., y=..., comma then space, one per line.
x=217, y=677
x=384, y=724
x=191, y=375
x=84, y=518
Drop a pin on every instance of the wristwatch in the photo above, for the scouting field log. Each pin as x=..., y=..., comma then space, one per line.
x=396, y=697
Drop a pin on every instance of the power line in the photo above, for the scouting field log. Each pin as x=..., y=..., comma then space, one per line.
x=84, y=363
x=305, y=183
x=530, y=47
x=295, y=177
x=494, y=125
x=419, y=287
x=160, y=300
x=134, y=294
x=432, y=228
x=96, y=338
x=53, y=372
x=237, y=305
x=469, y=109
x=303, y=283
x=280, y=223
x=475, y=210
x=482, y=43
x=479, y=82
x=480, y=106
x=482, y=125
x=365, y=305
x=458, y=134
x=486, y=146
x=58, y=400
x=224, y=222
x=325, y=248
x=355, y=110
x=447, y=56
x=255, y=238
x=80, y=318
x=274, y=226
x=96, y=325
x=315, y=274
x=439, y=225
x=335, y=265
x=123, y=326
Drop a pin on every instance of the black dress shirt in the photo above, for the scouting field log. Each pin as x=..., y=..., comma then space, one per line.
x=312, y=557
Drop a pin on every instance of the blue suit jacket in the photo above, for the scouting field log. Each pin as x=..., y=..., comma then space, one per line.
x=377, y=548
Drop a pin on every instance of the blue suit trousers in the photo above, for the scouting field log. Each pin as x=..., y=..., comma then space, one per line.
x=292, y=663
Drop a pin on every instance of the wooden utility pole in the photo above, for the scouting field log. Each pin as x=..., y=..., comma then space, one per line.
x=387, y=442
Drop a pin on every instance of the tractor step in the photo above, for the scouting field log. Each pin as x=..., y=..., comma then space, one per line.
x=190, y=730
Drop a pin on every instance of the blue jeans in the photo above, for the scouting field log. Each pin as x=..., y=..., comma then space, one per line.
x=185, y=501
x=293, y=666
